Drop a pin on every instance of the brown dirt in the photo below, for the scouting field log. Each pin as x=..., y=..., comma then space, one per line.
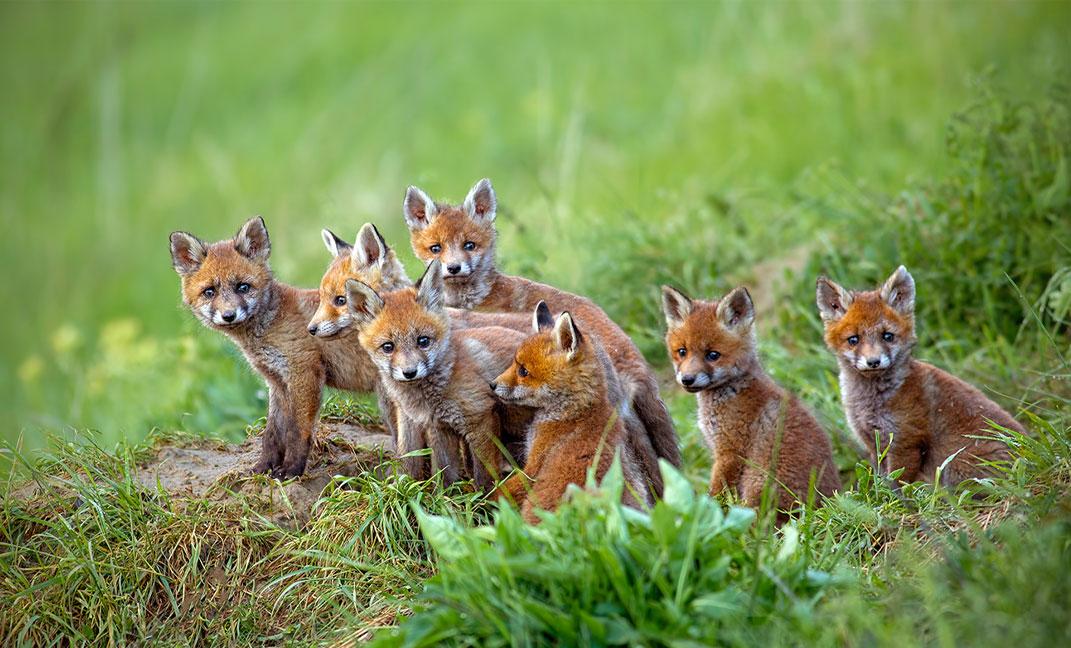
x=220, y=471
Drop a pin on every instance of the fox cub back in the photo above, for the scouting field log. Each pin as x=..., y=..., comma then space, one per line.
x=749, y=422
x=558, y=372
x=919, y=413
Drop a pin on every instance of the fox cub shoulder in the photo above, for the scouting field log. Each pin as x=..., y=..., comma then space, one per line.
x=558, y=372
x=748, y=420
x=919, y=413
x=229, y=287
x=436, y=378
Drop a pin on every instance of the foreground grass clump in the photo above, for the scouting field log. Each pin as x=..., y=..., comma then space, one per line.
x=598, y=573
x=89, y=555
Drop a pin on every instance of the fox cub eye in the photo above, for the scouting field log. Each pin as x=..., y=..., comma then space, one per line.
x=423, y=341
x=522, y=371
x=712, y=356
x=469, y=246
x=209, y=292
x=242, y=288
x=888, y=337
x=682, y=352
x=387, y=347
x=435, y=249
x=853, y=340
x=340, y=300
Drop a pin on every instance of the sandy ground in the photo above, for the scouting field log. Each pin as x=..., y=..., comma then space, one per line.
x=216, y=470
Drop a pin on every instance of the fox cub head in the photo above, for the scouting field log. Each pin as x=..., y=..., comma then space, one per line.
x=224, y=283
x=370, y=261
x=461, y=237
x=405, y=332
x=872, y=330
x=556, y=368
x=710, y=343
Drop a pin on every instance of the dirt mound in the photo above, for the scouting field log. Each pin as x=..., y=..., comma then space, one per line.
x=218, y=471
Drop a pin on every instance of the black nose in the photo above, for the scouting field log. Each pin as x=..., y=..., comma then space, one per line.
x=687, y=381
x=229, y=316
x=409, y=373
x=312, y=329
x=493, y=386
x=873, y=363
x=453, y=269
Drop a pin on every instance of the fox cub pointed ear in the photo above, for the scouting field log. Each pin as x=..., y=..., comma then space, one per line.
x=833, y=300
x=676, y=305
x=566, y=335
x=736, y=310
x=419, y=210
x=334, y=244
x=370, y=248
x=481, y=202
x=252, y=240
x=362, y=301
x=542, y=319
x=187, y=252
x=430, y=287
x=899, y=291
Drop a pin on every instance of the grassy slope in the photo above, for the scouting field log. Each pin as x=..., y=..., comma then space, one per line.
x=97, y=559
x=125, y=122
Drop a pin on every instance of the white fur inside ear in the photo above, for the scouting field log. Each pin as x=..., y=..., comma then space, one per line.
x=899, y=291
x=566, y=335
x=481, y=201
x=418, y=208
x=736, y=310
x=370, y=247
x=430, y=287
x=363, y=302
x=334, y=244
x=675, y=305
x=833, y=300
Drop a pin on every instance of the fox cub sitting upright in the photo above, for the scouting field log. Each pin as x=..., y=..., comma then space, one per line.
x=746, y=418
x=558, y=372
x=436, y=377
x=463, y=237
x=919, y=413
x=230, y=288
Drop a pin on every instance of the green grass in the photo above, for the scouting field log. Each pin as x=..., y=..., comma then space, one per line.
x=631, y=145
x=618, y=136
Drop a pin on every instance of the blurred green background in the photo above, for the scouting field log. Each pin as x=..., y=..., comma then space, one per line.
x=629, y=144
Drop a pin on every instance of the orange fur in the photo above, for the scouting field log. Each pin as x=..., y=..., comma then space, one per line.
x=559, y=373
x=437, y=379
x=441, y=231
x=270, y=329
x=747, y=419
x=919, y=413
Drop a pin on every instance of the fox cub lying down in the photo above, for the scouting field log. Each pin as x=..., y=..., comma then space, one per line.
x=919, y=413
x=748, y=420
x=557, y=371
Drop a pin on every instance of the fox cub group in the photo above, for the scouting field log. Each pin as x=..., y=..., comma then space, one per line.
x=526, y=389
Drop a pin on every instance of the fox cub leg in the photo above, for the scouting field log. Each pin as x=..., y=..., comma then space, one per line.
x=485, y=454
x=273, y=441
x=410, y=438
x=305, y=397
x=725, y=473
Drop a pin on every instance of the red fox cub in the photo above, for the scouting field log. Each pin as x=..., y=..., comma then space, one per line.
x=371, y=261
x=437, y=378
x=230, y=288
x=747, y=419
x=919, y=413
x=557, y=372
x=462, y=238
